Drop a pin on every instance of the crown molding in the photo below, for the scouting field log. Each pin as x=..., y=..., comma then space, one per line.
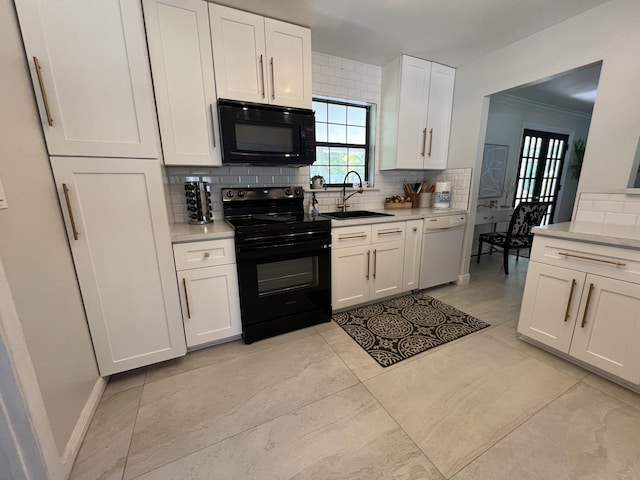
x=507, y=99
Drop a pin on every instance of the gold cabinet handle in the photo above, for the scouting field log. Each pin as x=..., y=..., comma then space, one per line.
x=186, y=297
x=43, y=91
x=368, y=263
x=213, y=123
x=430, y=141
x=65, y=189
x=349, y=237
x=566, y=314
x=375, y=262
x=620, y=264
x=389, y=232
x=273, y=80
x=262, y=74
x=424, y=141
x=206, y=255
x=415, y=229
x=586, y=307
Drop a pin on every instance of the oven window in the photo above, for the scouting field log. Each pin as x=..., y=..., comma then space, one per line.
x=264, y=138
x=287, y=275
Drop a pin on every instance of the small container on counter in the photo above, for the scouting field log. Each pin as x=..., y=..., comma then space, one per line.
x=198, y=200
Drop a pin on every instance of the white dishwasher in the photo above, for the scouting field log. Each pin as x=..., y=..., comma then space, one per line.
x=441, y=249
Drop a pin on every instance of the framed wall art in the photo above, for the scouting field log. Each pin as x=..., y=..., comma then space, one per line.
x=494, y=165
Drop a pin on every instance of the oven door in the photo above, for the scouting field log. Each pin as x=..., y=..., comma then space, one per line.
x=285, y=281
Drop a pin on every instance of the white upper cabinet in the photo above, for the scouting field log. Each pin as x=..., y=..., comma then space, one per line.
x=417, y=100
x=90, y=70
x=259, y=59
x=184, y=83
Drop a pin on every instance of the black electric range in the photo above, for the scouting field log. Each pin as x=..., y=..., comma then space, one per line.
x=283, y=257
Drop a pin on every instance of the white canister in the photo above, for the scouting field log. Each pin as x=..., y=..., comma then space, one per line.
x=442, y=195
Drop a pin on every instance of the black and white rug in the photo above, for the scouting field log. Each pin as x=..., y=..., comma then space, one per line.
x=402, y=327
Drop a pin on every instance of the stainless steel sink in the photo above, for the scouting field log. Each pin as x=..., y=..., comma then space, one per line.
x=356, y=214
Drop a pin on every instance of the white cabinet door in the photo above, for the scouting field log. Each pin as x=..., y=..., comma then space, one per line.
x=210, y=304
x=412, y=120
x=239, y=53
x=550, y=304
x=412, y=252
x=184, y=83
x=289, y=60
x=439, y=116
x=93, y=87
x=417, y=101
x=119, y=236
x=386, y=269
x=350, y=273
x=607, y=333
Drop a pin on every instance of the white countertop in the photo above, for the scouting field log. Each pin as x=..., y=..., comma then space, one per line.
x=614, y=235
x=185, y=232
x=399, y=214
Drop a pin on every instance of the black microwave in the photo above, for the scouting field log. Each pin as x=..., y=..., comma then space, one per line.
x=258, y=134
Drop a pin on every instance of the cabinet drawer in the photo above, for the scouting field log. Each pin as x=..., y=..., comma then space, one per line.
x=351, y=236
x=486, y=216
x=204, y=254
x=387, y=232
x=604, y=260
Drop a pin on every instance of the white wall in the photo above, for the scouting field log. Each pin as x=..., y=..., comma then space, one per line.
x=34, y=247
x=508, y=117
x=609, y=33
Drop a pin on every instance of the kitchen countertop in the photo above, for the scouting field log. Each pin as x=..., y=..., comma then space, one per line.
x=185, y=232
x=613, y=235
x=399, y=214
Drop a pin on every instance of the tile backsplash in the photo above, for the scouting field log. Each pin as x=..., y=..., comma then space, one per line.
x=332, y=77
x=609, y=209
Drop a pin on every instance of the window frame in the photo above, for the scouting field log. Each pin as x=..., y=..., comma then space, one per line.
x=367, y=126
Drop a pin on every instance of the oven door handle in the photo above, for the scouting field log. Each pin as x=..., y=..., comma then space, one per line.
x=296, y=249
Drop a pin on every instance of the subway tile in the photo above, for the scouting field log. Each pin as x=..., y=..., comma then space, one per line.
x=594, y=196
x=631, y=207
x=590, y=217
x=607, y=206
x=612, y=218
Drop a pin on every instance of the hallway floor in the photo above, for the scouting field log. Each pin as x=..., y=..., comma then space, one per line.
x=313, y=405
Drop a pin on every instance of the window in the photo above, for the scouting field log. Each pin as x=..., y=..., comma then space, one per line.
x=342, y=140
x=540, y=169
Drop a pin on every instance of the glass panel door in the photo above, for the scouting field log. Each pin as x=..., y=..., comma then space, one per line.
x=540, y=169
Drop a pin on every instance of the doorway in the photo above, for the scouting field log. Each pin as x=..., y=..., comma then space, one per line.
x=540, y=169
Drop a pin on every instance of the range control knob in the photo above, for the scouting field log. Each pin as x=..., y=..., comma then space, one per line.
x=241, y=193
x=297, y=192
x=287, y=192
x=229, y=193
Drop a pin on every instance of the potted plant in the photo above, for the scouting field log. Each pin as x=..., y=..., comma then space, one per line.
x=317, y=182
x=575, y=166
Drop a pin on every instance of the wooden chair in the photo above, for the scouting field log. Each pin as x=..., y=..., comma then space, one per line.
x=526, y=216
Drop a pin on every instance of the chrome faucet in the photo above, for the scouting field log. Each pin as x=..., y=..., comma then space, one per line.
x=343, y=206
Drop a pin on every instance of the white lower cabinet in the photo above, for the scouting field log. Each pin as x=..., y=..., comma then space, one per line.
x=585, y=311
x=118, y=231
x=208, y=284
x=367, y=263
x=412, y=253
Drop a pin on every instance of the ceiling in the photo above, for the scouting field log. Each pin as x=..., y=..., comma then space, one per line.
x=574, y=90
x=444, y=31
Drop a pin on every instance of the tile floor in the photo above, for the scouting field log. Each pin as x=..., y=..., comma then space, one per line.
x=313, y=405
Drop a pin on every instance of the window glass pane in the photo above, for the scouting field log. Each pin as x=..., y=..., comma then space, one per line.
x=322, y=170
x=357, y=116
x=337, y=174
x=321, y=132
x=337, y=113
x=337, y=133
x=321, y=111
x=338, y=156
x=357, y=135
x=356, y=157
x=322, y=156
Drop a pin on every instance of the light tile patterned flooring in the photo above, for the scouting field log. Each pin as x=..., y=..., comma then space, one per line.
x=313, y=405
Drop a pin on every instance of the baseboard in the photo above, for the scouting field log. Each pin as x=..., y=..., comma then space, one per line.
x=463, y=279
x=77, y=436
